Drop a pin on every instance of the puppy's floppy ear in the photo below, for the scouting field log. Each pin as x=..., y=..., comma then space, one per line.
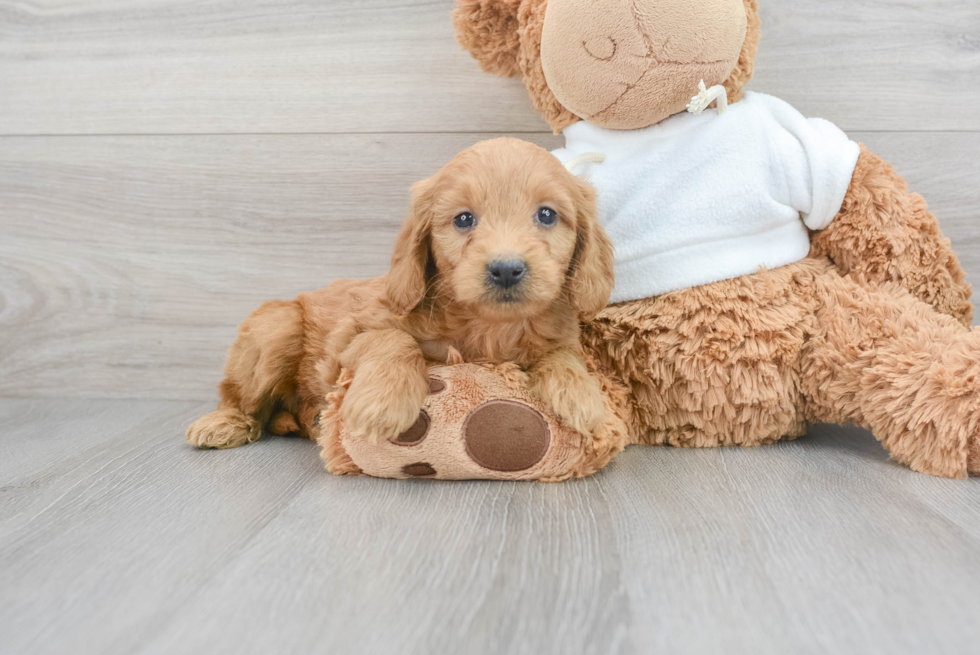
x=489, y=30
x=410, y=262
x=591, y=271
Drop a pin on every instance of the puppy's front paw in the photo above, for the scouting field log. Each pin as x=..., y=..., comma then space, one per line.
x=584, y=413
x=577, y=401
x=376, y=409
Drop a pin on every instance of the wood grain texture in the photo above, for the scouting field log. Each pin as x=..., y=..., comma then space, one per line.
x=116, y=537
x=136, y=257
x=126, y=263
x=872, y=64
x=107, y=529
x=271, y=146
x=176, y=66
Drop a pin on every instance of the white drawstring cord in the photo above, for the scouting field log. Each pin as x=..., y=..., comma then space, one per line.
x=705, y=97
x=584, y=158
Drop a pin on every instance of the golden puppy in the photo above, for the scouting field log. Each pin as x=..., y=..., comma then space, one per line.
x=500, y=258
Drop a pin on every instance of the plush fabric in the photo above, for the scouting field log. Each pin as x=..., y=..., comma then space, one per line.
x=883, y=234
x=490, y=30
x=756, y=359
x=477, y=422
x=622, y=65
x=486, y=29
x=697, y=199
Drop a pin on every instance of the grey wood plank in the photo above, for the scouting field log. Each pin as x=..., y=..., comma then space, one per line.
x=110, y=522
x=423, y=568
x=872, y=64
x=126, y=263
x=379, y=65
x=814, y=546
x=954, y=502
x=190, y=67
x=48, y=445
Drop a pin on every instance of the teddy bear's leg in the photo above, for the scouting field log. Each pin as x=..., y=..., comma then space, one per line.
x=889, y=362
x=885, y=234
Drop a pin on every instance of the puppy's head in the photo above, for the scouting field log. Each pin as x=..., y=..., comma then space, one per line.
x=505, y=230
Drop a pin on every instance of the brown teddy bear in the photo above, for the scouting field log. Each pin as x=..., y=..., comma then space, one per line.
x=770, y=273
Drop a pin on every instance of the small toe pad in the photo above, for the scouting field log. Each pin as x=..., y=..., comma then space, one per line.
x=418, y=469
x=415, y=434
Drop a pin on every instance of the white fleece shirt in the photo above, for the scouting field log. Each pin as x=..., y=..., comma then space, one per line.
x=696, y=199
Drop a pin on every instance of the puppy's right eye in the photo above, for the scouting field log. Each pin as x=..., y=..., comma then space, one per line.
x=464, y=221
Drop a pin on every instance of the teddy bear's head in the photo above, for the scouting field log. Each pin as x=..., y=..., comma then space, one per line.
x=620, y=64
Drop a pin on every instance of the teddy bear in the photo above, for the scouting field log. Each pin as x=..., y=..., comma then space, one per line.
x=770, y=273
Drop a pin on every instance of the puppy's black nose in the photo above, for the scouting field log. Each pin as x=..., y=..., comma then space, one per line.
x=506, y=273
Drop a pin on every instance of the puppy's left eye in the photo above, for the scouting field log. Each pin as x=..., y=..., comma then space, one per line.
x=464, y=221
x=546, y=216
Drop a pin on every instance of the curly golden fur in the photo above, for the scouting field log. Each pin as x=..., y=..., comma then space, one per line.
x=439, y=296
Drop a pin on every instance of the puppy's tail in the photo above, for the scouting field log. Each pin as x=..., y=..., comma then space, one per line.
x=260, y=375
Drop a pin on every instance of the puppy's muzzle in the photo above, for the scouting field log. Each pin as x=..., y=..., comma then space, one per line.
x=506, y=274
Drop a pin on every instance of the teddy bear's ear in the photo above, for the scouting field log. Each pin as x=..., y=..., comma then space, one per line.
x=489, y=30
x=746, y=60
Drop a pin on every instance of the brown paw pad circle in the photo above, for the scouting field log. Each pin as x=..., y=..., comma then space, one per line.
x=415, y=434
x=503, y=435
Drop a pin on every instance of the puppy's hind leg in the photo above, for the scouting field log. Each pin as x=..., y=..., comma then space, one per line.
x=261, y=369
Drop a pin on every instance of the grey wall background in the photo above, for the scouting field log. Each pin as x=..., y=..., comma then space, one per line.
x=165, y=166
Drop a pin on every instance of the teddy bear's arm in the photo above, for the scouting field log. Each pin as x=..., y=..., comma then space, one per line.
x=883, y=233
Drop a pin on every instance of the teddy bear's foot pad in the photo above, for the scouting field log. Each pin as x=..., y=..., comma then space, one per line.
x=503, y=435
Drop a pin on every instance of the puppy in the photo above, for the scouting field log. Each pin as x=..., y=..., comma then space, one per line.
x=500, y=258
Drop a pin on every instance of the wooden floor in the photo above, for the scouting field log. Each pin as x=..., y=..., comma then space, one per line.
x=115, y=537
x=167, y=165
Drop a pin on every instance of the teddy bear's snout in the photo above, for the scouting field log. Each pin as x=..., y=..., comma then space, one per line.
x=630, y=64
